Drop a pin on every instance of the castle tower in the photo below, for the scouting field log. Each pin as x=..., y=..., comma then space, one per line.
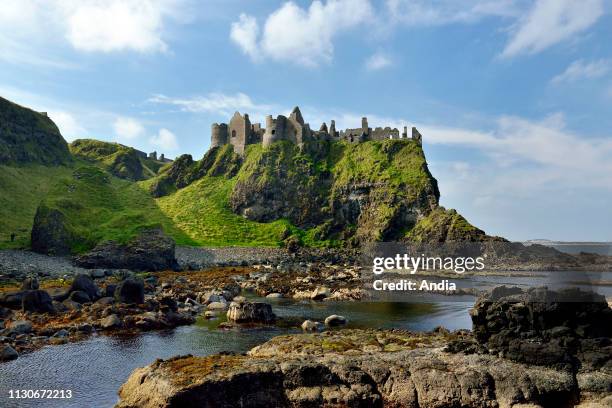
x=218, y=135
x=323, y=128
x=239, y=132
x=405, y=133
x=416, y=136
x=365, y=128
x=332, y=129
x=270, y=136
x=297, y=115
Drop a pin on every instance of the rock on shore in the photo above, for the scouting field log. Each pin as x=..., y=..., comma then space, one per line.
x=151, y=250
x=350, y=368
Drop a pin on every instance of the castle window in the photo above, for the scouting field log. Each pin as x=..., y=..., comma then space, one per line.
x=273, y=131
x=233, y=133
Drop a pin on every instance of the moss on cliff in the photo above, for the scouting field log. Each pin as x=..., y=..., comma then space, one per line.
x=443, y=225
x=121, y=161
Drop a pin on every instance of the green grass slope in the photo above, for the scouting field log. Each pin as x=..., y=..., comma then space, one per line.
x=121, y=161
x=21, y=190
x=100, y=207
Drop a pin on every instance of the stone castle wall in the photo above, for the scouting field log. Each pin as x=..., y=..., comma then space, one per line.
x=241, y=133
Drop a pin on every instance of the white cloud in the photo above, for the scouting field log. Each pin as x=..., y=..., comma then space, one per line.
x=217, y=103
x=550, y=22
x=580, y=69
x=377, y=61
x=439, y=12
x=32, y=31
x=165, y=140
x=67, y=124
x=300, y=36
x=116, y=25
x=244, y=32
x=128, y=129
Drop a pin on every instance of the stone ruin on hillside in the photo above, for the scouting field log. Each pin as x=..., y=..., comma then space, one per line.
x=240, y=132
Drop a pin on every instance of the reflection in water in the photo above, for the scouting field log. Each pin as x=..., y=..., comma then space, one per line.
x=95, y=369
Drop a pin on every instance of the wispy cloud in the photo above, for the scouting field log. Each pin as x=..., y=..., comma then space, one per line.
x=581, y=69
x=566, y=158
x=68, y=125
x=165, y=140
x=297, y=35
x=550, y=22
x=216, y=103
x=378, y=61
x=128, y=129
x=441, y=12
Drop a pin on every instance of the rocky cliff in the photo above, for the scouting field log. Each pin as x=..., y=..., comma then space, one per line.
x=341, y=192
x=27, y=136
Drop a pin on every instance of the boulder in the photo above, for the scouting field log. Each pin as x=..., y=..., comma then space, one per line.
x=335, y=320
x=30, y=283
x=110, y=322
x=37, y=301
x=71, y=305
x=50, y=232
x=274, y=296
x=321, y=292
x=12, y=299
x=105, y=301
x=109, y=290
x=84, y=283
x=151, y=250
x=217, y=306
x=544, y=327
x=250, y=312
x=5, y=312
x=130, y=290
x=311, y=326
x=7, y=353
x=20, y=327
x=79, y=296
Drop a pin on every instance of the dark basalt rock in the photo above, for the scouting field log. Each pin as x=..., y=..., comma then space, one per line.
x=79, y=297
x=13, y=299
x=50, y=233
x=151, y=250
x=538, y=326
x=37, y=301
x=130, y=290
x=30, y=284
x=84, y=283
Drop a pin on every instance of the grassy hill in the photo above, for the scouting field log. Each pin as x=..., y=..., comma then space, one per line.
x=321, y=194
x=121, y=161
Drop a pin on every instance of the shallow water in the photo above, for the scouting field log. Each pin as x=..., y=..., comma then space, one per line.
x=95, y=369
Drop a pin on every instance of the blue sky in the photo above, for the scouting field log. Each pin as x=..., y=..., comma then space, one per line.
x=513, y=97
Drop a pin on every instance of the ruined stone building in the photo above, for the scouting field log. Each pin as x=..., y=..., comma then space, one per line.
x=240, y=132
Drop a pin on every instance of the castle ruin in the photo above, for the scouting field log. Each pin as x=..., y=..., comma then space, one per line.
x=240, y=132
